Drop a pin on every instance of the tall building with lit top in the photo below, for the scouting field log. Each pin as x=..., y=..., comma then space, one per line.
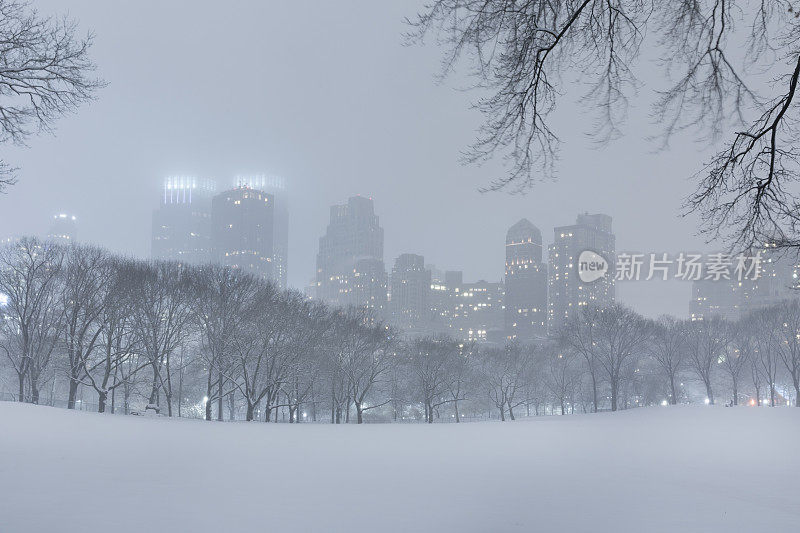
x=242, y=230
x=525, y=283
x=566, y=292
x=63, y=229
x=277, y=187
x=182, y=223
x=350, y=268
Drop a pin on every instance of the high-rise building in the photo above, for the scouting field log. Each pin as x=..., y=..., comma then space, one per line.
x=353, y=238
x=732, y=298
x=525, y=283
x=566, y=292
x=479, y=312
x=716, y=297
x=368, y=286
x=182, y=223
x=63, y=228
x=445, y=289
x=242, y=230
x=276, y=186
x=410, y=291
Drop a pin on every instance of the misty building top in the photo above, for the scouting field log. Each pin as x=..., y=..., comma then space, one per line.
x=263, y=182
x=185, y=189
x=523, y=231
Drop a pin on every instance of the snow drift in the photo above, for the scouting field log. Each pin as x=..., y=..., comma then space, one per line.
x=659, y=469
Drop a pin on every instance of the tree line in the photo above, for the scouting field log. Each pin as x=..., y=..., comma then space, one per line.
x=220, y=343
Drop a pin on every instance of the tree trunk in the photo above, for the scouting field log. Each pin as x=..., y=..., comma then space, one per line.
x=154, y=388
x=735, y=392
x=614, y=392
x=101, y=401
x=673, y=392
x=709, y=392
x=219, y=400
x=594, y=392
x=250, y=411
x=73, y=393
x=458, y=417
x=21, y=393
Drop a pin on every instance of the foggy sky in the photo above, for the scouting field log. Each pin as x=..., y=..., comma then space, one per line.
x=327, y=95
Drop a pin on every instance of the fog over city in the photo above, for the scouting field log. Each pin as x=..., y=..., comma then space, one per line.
x=437, y=266
x=329, y=96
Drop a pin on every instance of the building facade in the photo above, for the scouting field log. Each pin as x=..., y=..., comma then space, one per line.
x=350, y=267
x=277, y=187
x=182, y=224
x=732, y=298
x=479, y=312
x=410, y=304
x=525, y=283
x=63, y=229
x=566, y=292
x=242, y=231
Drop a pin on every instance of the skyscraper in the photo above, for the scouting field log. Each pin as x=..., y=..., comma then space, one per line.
x=526, y=283
x=444, y=293
x=368, y=286
x=276, y=186
x=410, y=289
x=242, y=230
x=353, y=238
x=734, y=298
x=182, y=223
x=479, y=313
x=63, y=229
x=566, y=292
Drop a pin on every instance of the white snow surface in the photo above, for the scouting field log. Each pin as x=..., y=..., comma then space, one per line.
x=704, y=469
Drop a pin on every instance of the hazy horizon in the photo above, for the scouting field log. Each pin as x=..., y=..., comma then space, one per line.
x=339, y=109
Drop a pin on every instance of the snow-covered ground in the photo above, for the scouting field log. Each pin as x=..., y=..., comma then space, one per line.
x=647, y=470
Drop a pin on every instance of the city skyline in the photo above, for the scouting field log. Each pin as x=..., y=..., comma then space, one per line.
x=335, y=151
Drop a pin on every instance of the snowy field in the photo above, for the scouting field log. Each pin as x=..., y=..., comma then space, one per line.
x=647, y=470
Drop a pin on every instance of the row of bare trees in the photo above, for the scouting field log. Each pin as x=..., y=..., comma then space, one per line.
x=756, y=356
x=219, y=343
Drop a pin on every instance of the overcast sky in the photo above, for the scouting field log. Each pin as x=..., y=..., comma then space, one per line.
x=327, y=95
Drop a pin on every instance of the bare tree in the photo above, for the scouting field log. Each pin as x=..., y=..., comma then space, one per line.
x=367, y=353
x=788, y=345
x=620, y=335
x=504, y=371
x=224, y=303
x=707, y=342
x=669, y=351
x=767, y=323
x=738, y=355
x=579, y=335
x=29, y=277
x=86, y=279
x=432, y=361
x=44, y=73
x=105, y=367
x=526, y=55
x=162, y=318
x=561, y=375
